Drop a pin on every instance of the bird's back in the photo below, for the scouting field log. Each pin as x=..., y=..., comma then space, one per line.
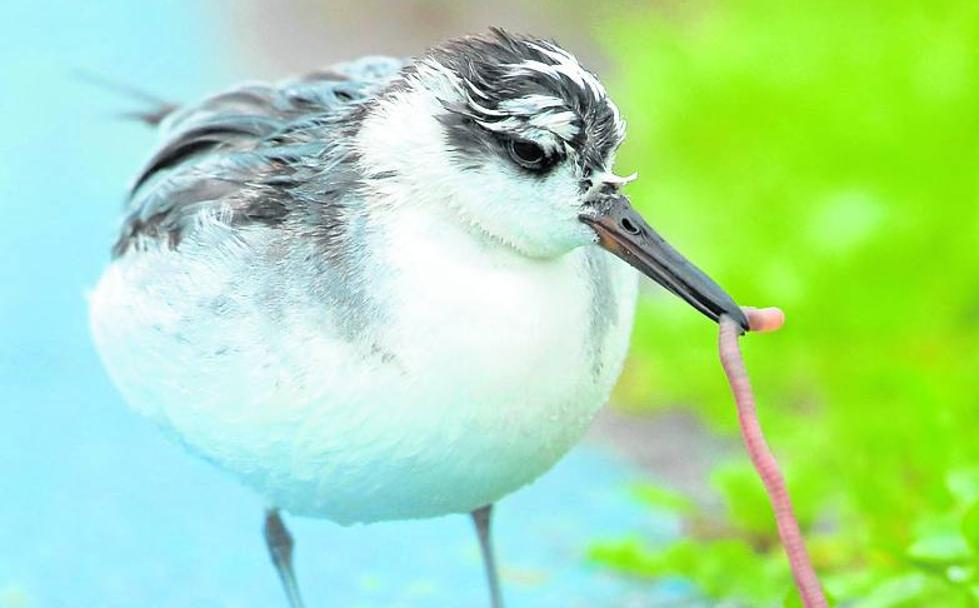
x=244, y=153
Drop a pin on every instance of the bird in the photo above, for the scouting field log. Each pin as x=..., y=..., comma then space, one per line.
x=390, y=289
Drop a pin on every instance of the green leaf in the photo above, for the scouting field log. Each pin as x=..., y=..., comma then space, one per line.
x=970, y=526
x=745, y=498
x=960, y=574
x=794, y=600
x=899, y=591
x=628, y=556
x=662, y=498
x=963, y=484
x=941, y=549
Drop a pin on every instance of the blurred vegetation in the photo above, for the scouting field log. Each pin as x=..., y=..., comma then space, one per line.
x=823, y=157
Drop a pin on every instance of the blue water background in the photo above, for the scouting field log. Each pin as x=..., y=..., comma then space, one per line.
x=96, y=507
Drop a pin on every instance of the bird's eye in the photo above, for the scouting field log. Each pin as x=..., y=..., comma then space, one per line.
x=529, y=155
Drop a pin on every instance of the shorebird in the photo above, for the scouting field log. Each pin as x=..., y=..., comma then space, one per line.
x=384, y=290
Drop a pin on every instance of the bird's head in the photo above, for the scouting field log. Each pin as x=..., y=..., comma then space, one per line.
x=516, y=138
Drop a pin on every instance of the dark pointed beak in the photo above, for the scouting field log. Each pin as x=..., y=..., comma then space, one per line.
x=622, y=231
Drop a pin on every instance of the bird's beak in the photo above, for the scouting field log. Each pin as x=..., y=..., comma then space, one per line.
x=622, y=231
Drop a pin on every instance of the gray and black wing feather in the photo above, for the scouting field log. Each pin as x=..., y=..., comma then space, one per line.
x=258, y=153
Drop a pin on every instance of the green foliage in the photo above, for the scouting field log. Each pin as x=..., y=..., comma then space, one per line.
x=820, y=156
x=664, y=499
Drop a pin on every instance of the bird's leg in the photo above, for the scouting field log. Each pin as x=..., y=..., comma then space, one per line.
x=279, y=541
x=481, y=518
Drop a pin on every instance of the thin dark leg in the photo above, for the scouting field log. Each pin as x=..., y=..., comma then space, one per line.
x=279, y=541
x=481, y=518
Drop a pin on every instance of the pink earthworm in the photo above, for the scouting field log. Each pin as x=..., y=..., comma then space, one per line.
x=806, y=580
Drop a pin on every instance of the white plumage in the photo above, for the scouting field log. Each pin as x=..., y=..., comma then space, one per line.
x=481, y=367
x=488, y=381
x=384, y=291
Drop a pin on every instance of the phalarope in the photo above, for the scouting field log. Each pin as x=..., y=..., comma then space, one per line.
x=384, y=290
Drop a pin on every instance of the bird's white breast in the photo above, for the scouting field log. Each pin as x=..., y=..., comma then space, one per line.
x=476, y=371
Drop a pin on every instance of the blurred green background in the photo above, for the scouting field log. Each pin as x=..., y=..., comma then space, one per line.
x=822, y=156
